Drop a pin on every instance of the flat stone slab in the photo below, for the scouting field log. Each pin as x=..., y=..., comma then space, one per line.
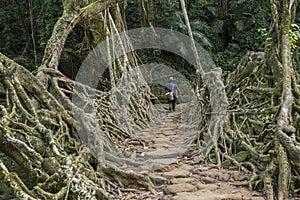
x=174, y=148
x=199, y=195
x=166, y=161
x=181, y=187
x=160, y=145
x=170, y=127
x=169, y=122
x=162, y=153
x=183, y=180
x=161, y=140
x=176, y=173
x=211, y=187
x=186, y=167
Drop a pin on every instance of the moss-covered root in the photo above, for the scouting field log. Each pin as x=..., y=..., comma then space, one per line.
x=19, y=189
x=284, y=172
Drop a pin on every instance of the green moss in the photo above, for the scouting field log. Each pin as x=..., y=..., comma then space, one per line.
x=4, y=189
x=70, y=5
x=90, y=7
x=242, y=156
x=15, y=168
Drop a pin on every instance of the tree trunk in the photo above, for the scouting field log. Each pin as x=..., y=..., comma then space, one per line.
x=283, y=16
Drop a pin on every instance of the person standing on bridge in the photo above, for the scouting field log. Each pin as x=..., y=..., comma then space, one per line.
x=172, y=87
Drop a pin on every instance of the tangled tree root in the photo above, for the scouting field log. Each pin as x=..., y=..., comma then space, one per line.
x=39, y=133
x=249, y=138
x=40, y=124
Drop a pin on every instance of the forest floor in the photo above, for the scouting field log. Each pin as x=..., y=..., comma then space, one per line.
x=179, y=177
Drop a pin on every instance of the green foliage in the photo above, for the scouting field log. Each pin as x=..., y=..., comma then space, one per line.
x=227, y=29
x=15, y=28
x=294, y=36
x=168, y=59
x=236, y=33
x=263, y=32
x=242, y=156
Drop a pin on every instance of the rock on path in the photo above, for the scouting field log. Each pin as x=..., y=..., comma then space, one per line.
x=180, y=179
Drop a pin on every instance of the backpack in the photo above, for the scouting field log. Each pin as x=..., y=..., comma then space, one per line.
x=169, y=94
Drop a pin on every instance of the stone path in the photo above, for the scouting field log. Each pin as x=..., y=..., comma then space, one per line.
x=167, y=139
x=179, y=178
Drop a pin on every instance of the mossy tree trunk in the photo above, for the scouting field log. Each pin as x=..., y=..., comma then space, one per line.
x=280, y=62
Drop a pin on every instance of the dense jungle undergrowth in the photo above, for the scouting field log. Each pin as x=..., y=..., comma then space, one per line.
x=249, y=116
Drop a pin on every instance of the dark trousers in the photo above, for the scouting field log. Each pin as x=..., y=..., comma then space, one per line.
x=172, y=103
